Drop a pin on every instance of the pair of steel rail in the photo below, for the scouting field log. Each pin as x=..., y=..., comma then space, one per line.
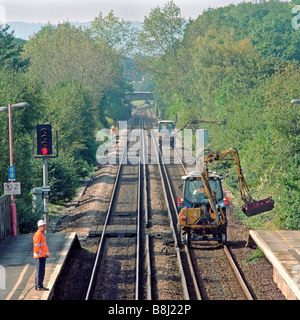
x=173, y=216
x=93, y=277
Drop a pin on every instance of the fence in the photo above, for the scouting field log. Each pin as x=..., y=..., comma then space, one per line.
x=5, y=220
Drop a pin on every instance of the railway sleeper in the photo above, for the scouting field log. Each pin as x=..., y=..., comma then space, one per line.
x=114, y=231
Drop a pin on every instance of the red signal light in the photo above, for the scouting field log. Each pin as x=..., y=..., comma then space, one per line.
x=44, y=139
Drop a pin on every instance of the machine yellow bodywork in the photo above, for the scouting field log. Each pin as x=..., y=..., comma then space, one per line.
x=211, y=216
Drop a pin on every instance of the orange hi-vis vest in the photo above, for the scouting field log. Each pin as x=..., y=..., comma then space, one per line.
x=40, y=248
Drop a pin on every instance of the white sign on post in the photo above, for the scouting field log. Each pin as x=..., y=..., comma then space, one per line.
x=11, y=173
x=12, y=188
x=46, y=192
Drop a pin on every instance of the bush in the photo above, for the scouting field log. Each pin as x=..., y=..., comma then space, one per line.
x=63, y=178
x=288, y=204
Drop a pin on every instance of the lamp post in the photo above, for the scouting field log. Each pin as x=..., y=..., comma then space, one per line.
x=13, y=209
x=295, y=101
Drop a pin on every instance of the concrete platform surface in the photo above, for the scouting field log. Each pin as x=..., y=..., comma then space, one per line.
x=282, y=248
x=17, y=265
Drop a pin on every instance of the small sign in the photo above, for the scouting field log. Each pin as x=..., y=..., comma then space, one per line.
x=12, y=188
x=46, y=192
x=11, y=173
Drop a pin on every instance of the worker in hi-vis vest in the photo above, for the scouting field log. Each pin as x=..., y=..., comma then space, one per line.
x=40, y=254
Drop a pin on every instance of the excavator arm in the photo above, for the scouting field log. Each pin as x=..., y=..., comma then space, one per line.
x=211, y=196
x=200, y=121
x=223, y=156
x=251, y=206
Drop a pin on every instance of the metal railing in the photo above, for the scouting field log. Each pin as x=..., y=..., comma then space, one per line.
x=5, y=218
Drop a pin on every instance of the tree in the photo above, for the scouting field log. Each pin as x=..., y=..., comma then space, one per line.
x=17, y=87
x=237, y=63
x=115, y=33
x=64, y=53
x=282, y=116
x=162, y=31
x=69, y=110
x=159, y=44
x=10, y=50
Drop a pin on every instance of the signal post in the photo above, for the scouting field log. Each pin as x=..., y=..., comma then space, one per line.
x=44, y=150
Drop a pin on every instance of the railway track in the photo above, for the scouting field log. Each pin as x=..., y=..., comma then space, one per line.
x=148, y=260
x=229, y=276
x=116, y=271
x=164, y=240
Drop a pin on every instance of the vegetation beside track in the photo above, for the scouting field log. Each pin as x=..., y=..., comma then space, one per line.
x=239, y=62
x=73, y=81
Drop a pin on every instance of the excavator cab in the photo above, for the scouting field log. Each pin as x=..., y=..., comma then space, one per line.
x=166, y=132
x=203, y=213
x=194, y=192
x=166, y=126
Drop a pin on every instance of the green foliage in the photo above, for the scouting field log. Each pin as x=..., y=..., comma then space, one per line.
x=267, y=24
x=242, y=63
x=72, y=82
x=69, y=110
x=63, y=177
x=65, y=53
x=254, y=256
x=115, y=33
x=10, y=51
x=162, y=30
x=17, y=87
x=289, y=199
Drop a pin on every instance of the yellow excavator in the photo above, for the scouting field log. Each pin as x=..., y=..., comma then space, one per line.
x=203, y=207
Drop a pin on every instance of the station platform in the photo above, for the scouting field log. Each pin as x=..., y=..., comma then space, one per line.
x=17, y=265
x=282, y=249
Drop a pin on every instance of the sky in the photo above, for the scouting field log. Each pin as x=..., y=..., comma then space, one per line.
x=54, y=11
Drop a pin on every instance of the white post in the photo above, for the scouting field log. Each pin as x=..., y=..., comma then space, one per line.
x=46, y=201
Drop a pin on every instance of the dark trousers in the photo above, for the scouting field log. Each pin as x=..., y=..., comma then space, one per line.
x=40, y=271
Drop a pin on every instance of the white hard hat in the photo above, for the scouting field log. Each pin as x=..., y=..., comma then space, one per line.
x=41, y=223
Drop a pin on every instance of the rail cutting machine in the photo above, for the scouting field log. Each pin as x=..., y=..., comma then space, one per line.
x=203, y=207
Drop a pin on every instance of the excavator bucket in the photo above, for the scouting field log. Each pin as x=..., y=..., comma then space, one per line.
x=258, y=206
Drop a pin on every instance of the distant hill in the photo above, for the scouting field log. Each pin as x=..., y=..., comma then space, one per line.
x=24, y=30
